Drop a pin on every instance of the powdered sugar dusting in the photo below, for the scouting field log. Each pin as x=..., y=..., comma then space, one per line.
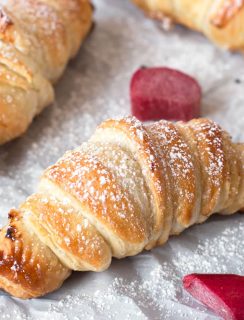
x=210, y=134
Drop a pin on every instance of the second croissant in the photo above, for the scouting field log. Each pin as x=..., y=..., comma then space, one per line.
x=220, y=21
x=37, y=39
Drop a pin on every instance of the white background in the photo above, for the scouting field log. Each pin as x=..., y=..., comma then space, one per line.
x=95, y=87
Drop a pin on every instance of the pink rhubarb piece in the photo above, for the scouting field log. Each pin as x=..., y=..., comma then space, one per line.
x=223, y=293
x=163, y=93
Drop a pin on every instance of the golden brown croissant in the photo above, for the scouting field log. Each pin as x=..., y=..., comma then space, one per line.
x=222, y=21
x=37, y=38
x=129, y=188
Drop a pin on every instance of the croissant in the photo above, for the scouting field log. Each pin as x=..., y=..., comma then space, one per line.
x=128, y=189
x=37, y=38
x=220, y=20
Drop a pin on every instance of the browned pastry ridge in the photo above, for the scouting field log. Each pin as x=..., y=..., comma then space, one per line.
x=128, y=189
x=222, y=21
x=37, y=39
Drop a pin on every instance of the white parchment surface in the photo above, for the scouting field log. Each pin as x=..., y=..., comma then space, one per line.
x=95, y=87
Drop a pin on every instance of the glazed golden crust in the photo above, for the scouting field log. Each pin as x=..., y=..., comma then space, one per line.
x=133, y=135
x=102, y=200
x=37, y=38
x=28, y=268
x=71, y=236
x=128, y=189
x=221, y=21
x=226, y=12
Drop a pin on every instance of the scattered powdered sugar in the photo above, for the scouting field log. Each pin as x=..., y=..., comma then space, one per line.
x=156, y=289
x=94, y=88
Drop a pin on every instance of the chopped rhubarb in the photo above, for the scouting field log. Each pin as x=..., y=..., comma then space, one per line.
x=223, y=293
x=164, y=93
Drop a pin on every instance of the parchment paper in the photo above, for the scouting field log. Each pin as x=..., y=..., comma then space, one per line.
x=95, y=87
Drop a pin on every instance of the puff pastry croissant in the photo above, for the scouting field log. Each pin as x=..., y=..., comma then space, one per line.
x=37, y=38
x=128, y=189
x=222, y=21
